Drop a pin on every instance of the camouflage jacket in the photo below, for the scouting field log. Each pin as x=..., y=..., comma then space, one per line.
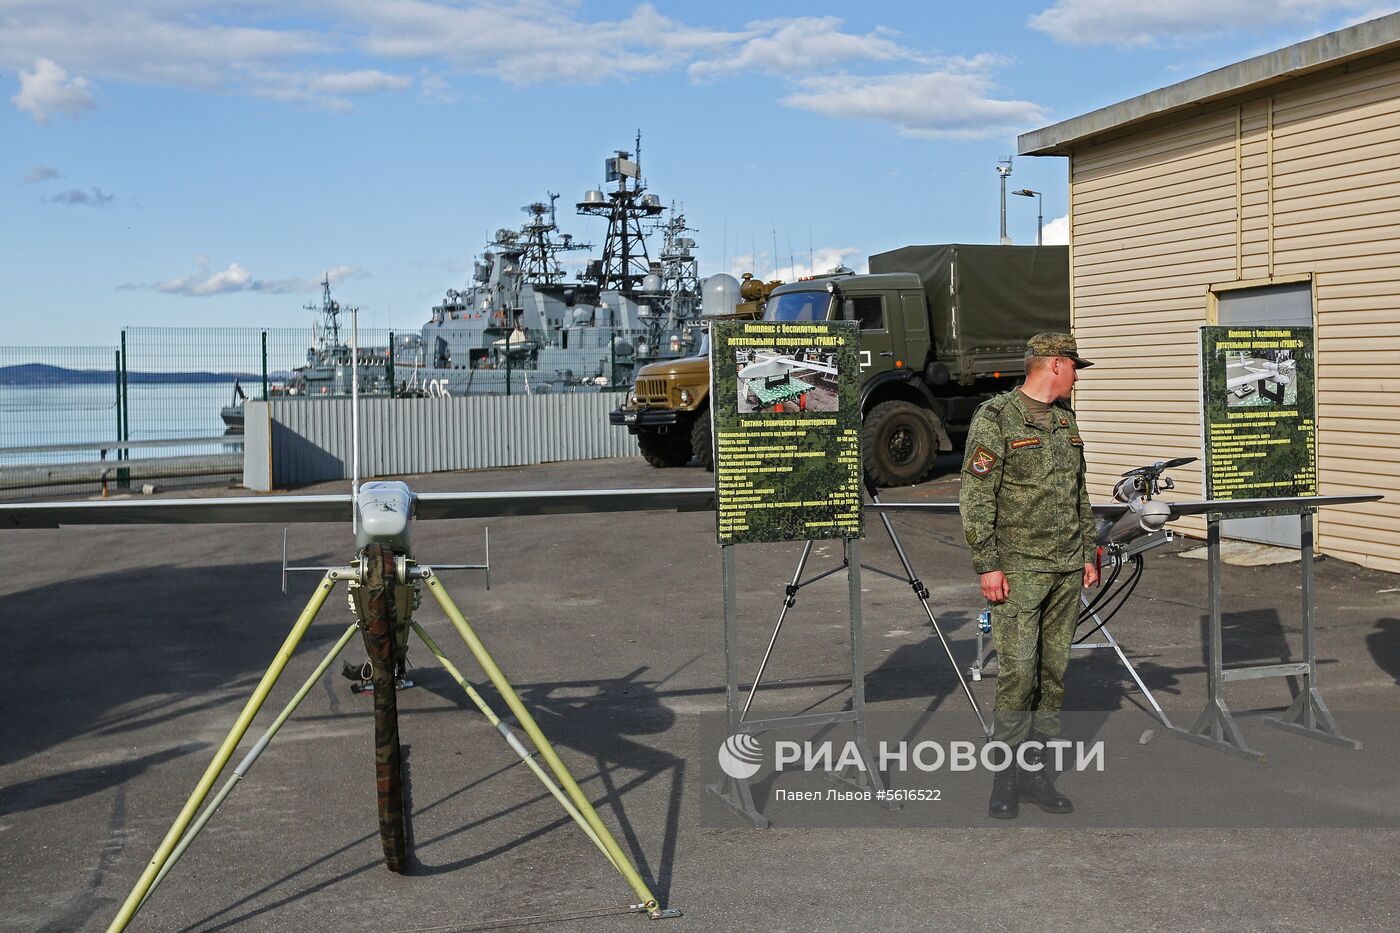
x=1024, y=502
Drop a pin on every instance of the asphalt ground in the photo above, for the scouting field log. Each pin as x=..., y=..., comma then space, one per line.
x=131, y=650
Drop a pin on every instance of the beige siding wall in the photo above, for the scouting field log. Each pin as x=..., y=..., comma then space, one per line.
x=1305, y=182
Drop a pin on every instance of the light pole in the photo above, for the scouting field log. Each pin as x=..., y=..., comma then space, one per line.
x=1004, y=170
x=1039, y=213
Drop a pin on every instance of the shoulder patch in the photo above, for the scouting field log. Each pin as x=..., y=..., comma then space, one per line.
x=1024, y=442
x=981, y=461
x=1076, y=440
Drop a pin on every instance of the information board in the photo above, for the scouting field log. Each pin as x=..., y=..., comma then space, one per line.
x=1258, y=412
x=785, y=399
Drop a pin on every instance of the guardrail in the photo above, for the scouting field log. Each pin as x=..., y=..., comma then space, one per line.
x=104, y=470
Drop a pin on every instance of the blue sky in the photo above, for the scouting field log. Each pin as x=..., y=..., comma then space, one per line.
x=203, y=162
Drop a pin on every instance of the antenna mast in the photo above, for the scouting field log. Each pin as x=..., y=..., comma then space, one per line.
x=625, y=261
x=355, y=420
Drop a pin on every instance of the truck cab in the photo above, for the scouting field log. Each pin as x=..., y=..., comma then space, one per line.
x=904, y=423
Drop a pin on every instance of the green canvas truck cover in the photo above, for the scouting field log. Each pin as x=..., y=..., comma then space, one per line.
x=990, y=298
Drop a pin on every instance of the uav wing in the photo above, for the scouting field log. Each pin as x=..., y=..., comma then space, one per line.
x=1227, y=507
x=336, y=508
x=1178, y=509
x=431, y=505
x=284, y=509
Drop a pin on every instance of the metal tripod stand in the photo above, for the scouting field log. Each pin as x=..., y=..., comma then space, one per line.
x=561, y=786
x=908, y=577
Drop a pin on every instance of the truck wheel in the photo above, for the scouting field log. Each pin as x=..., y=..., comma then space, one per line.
x=900, y=444
x=671, y=449
x=701, y=443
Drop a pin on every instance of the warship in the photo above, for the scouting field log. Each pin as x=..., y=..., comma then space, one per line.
x=327, y=371
x=520, y=327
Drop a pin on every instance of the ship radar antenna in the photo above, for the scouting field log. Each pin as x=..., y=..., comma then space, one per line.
x=536, y=247
x=625, y=261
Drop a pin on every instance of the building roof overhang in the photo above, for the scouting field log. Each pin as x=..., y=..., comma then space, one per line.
x=1335, y=48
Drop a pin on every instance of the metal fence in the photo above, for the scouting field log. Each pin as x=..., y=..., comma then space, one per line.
x=297, y=441
x=165, y=405
x=58, y=406
x=178, y=380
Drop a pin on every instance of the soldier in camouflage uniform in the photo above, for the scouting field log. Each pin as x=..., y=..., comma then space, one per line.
x=1030, y=528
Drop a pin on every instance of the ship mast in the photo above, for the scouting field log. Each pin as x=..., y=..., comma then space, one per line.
x=539, y=263
x=625, y=262
x=680, y=277
x=330, y=315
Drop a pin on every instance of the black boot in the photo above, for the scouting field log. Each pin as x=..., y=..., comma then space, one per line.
x=1004, y=804
x=1037, y=786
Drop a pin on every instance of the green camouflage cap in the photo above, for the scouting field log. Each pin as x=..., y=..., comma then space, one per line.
x=1056, y=345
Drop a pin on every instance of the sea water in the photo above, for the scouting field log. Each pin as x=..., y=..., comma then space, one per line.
x=33, y=416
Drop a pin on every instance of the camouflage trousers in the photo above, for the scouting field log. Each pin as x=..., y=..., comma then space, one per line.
x=1032, y=630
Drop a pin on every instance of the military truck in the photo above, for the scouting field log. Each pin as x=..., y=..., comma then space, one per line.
x=942, y=328
x=668, y=407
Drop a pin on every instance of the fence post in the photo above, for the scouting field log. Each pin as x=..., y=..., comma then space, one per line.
x=389, y=367
x=264, y=364
x=117, y=380
x=124, y=475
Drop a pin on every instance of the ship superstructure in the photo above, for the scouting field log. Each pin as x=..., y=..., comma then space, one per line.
x=522, y=327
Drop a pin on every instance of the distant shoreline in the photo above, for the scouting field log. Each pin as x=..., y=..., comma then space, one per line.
x=42, y=374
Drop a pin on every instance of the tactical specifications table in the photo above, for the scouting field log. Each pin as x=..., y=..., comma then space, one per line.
x=1259, y=407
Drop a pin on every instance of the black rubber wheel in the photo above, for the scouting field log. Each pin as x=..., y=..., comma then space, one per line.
x=379, y=632
x=671, y=449
x=900, y=444
x=701, y=442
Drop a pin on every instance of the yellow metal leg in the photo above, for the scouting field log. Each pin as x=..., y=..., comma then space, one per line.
x=256, y=752
x=532, y=729
x=514, y=743
x=245, y=719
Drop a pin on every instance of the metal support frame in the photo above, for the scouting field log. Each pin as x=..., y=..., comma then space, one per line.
x=1100, y=624
x=1120, y=555
x=1308, y=715
x=921, y=593
x=737, y=793
x=571, y=797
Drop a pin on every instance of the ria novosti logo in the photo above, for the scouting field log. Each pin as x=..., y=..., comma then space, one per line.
x=741, y=756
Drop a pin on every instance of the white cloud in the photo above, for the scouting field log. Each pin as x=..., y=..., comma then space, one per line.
x=1150, y=22
x=193, y=44
x=819, y=262
x=75, y=197
x=435, y=87
x=364, y=81
x=253, y=47
x=165, y=42
x=48, y=89
x=801, y=46
x=953, y=102
x=1056, y=232
x=203, y=282
x=328, y=90
x=40, y=173
x=534, y=41
x=233, y=279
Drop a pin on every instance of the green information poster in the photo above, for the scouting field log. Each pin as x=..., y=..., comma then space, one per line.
x=785, y=398
x=1259, y=412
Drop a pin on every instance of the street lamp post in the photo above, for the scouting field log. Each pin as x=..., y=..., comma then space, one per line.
x=1039, y=213
x=1004, y=171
